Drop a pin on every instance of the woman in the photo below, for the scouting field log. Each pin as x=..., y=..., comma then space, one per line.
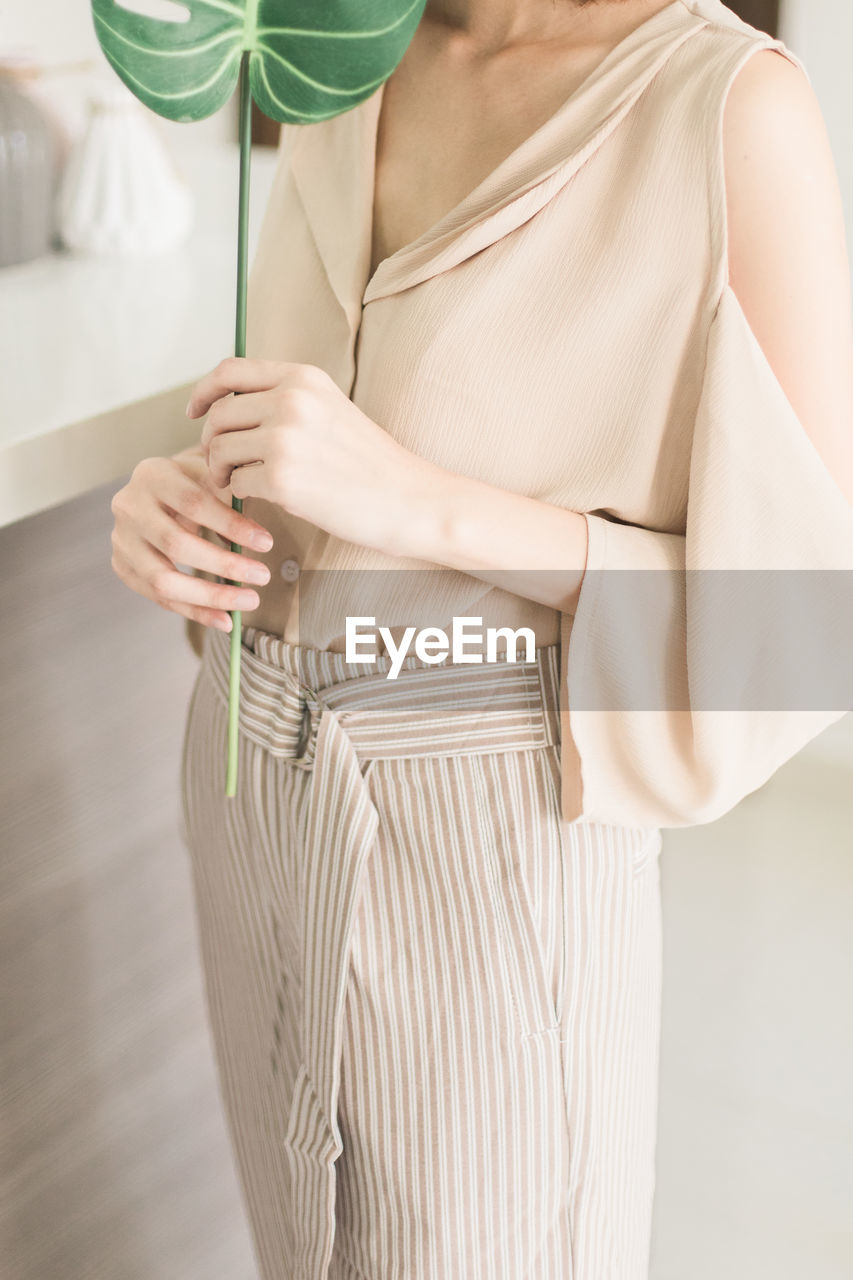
x=571, y=266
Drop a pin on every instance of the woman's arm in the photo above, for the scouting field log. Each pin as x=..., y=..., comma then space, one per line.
x=788, y=260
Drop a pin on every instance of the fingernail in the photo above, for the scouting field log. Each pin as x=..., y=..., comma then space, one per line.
x=187, y=410
x=263, y=541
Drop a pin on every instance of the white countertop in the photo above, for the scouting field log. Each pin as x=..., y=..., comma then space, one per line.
x=96, y=353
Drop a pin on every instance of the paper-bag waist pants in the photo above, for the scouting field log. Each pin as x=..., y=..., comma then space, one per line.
x=434, y=1004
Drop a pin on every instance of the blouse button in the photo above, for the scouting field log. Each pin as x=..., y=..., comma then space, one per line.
x=289, y=570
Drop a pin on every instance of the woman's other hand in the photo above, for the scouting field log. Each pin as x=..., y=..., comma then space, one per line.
x=158, y=516
x=293, y=438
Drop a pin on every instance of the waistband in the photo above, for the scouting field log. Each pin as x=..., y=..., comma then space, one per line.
x=447, y=709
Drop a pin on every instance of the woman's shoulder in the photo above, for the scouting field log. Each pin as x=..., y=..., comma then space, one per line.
x=771, y=91
x=787, y=256
x=722, y=48
x=778, y=162
x=734, y=101
x=724, y=30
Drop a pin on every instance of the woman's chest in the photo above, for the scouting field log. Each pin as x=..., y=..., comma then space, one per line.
x=443, y=129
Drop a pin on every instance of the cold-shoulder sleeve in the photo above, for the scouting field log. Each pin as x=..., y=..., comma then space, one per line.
x=696, y=664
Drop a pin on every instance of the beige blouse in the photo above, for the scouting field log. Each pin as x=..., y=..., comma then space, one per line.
x=567, y=331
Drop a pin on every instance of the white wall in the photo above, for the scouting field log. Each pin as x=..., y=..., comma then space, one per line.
x=60, y=34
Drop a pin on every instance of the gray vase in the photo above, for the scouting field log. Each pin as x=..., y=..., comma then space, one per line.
x=29, y=163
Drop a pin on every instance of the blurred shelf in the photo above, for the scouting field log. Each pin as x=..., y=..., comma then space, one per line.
x=96, y=352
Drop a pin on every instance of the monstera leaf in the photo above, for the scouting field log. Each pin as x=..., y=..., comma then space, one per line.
x=308, y=59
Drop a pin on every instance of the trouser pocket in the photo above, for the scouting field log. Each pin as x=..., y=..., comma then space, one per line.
x=515, y=826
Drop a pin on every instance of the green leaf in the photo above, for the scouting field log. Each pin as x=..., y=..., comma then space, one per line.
x=308, y=59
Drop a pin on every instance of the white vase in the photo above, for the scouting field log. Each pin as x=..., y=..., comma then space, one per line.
x=29, y=173
x=120, y=193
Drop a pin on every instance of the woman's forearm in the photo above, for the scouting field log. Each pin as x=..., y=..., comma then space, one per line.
x=522, y=545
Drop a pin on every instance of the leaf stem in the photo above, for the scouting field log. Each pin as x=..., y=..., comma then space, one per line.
x=239, y=350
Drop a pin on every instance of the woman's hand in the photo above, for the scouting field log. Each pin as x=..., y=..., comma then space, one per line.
x=158, y=514
x=293, y=438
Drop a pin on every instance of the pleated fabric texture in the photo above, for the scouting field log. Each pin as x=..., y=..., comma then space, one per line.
x=434, y=1003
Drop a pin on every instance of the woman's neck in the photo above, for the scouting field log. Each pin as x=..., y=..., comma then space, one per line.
x=488, y=26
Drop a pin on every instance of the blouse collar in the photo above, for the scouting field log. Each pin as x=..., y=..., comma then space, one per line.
x=333, y=165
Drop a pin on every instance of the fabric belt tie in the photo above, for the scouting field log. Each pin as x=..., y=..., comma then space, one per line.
x=307, y=705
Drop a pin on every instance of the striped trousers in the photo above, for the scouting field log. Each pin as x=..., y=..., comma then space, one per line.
x=434, y=1005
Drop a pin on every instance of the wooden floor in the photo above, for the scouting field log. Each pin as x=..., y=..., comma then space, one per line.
x=114, y=1164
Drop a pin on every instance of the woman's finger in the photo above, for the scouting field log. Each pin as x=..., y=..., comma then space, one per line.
x=235, y=374
x=184, y=496
x=236, y=449
x=198, y=613
x=208, y=617
x=235, y=413
x=184, y=547
x=195, y=612
x=147, y=571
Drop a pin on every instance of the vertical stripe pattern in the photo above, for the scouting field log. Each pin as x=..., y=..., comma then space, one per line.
x=434, y=1004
